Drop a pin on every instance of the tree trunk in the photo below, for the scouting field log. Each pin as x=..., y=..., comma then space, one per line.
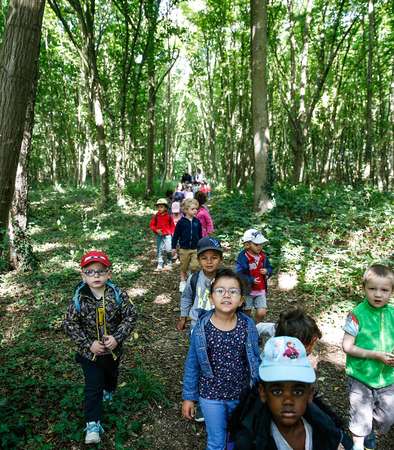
x=18, y=214
x=260, y=127
x=18, y=66
x=369, y=122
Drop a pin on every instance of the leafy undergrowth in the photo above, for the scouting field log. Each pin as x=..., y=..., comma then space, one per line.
x=320, y=241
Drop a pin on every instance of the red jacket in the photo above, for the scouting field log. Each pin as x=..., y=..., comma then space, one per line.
x=163, y=222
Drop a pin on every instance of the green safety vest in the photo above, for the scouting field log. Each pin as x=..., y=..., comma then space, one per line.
x=376, y=332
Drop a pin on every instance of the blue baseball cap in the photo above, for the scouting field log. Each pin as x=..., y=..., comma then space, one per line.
x=208, y=243
x=284, y=359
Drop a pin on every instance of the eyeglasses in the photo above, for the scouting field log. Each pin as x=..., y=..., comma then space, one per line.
x=232, y=292
x=92, y=273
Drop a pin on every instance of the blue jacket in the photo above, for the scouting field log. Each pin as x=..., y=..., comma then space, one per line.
x=197, y=362
x=188, y=233
x=242, y=268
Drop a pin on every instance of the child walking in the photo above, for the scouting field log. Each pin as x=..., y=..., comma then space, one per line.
x=254, y=267
x=187, y=233
x=162, y=224
x=283, y=417
x=203, y=215
x=369, y=346
x=99, y=318
x=223, y=358
x=196, y=295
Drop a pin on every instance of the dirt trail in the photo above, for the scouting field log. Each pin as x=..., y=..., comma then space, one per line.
x=164, y=350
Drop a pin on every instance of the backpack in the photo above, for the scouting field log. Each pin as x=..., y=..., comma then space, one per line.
x=193, y=283
x=82, y=284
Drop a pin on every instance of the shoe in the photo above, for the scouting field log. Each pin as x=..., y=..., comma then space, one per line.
x=107, y=396
x=159, y=267
x=370, y=441
x=182, y=286
x=93, y=430
x=198, y=417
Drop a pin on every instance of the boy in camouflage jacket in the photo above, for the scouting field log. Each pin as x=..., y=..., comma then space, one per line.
x=99, y=318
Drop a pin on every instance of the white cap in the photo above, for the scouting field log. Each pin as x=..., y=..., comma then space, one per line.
x=254, y=236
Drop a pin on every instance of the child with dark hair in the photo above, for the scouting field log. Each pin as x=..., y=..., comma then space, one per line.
x=203, y=215
x=296, y=323
x=282, y=415
x=223, y=358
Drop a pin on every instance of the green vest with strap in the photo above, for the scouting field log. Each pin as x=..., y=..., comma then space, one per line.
x=376, y=332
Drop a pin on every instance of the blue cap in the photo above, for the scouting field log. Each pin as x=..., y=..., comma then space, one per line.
x=284, y=359
x=208, y=243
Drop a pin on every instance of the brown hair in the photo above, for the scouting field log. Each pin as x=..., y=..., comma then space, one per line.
x=378, y=270
x=296, y=323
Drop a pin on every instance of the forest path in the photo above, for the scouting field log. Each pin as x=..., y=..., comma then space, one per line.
x=164, y=349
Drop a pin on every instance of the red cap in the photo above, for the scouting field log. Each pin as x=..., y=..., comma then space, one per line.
x=95, y=256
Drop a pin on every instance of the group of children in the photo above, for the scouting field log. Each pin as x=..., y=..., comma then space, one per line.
x=248, y=401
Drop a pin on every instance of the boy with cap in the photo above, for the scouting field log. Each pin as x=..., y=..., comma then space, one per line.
x=162, y=224
x=99, y=318
x=283, y=417
x=254, y=267
x=195, y=296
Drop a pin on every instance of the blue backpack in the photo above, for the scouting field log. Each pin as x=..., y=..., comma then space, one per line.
x=82, y=284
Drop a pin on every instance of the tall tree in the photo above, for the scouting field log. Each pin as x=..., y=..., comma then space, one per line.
x=18, y=65
x=260, y=128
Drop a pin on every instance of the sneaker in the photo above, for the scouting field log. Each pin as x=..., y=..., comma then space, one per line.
x=93, y=430
x=159, y=267
x=198, y=417
x=107, y=396
x=182, y=286
x=370, y=441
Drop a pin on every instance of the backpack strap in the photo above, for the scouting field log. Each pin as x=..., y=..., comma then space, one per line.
x=193, y=284
x=82, y=284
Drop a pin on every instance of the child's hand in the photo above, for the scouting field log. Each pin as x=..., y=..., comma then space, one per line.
x=110, y=342
x=159, y=232
x=386, y=358
x=263, y=271
x=98, y=348
x=188, y=409
x=174, y=253
x=181, y=324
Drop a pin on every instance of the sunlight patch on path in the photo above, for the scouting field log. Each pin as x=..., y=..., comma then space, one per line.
x=162, y=299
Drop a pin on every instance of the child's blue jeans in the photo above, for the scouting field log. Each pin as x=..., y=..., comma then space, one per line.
x=164, y=250
x=216, y=414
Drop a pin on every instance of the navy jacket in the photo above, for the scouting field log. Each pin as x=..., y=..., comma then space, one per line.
x=197, y=361
x=188, y=233
x=251, y=428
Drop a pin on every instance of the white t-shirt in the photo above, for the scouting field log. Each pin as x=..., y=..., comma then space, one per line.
x=281, y=442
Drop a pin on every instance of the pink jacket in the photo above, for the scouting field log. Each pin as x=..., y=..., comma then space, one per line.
x=206, y=221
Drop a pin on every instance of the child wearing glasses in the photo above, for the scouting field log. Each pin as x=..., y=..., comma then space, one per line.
x=99, y=318
x=254, y=267
x=223, y=358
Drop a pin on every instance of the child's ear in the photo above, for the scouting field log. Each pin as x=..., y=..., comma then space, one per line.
x=262, y=394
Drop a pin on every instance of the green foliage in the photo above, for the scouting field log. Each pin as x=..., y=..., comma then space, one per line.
x=326, y=236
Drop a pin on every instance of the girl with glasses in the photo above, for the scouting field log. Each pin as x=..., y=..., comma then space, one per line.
x=223, y=358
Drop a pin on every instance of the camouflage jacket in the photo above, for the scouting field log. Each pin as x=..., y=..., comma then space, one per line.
x=88, y=322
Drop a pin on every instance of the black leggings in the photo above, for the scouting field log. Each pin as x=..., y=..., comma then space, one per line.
x=99, y=375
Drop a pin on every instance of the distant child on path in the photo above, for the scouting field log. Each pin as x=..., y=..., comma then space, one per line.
x=369, y=345
x=176, y=212
x=283, y=418
x=196, y=296
x=187, y=233
x=254, y=267
x=223, y=358
x=203, y=215
x=99, y=319
x=162, y=224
